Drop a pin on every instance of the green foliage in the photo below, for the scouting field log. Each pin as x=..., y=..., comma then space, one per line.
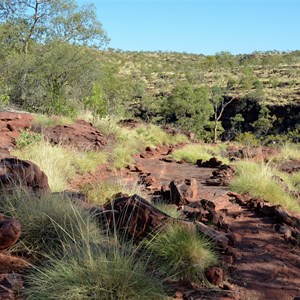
x=4, y=100
x=189, y=107
x=264, y=122
x=95, y=102
x=181, y=252
x=50, y=224
x=27, y=138
x=247, y=139
x=258, y=181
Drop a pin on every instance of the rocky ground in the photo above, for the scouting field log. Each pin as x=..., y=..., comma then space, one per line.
x=258, y=243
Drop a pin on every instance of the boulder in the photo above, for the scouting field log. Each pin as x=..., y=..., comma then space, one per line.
x=211, y=163
x=133, y=217
x=10, y=230
x=24, y=174
x=81, y=135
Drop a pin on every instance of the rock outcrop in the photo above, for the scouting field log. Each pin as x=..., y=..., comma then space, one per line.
x=81, y=135
x=23, y=174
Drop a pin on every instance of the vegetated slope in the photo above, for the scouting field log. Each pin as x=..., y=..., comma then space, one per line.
x=253, y=80
x=277, y=73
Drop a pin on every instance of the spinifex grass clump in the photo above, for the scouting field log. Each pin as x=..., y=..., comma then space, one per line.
x=59, y=163
x=168, y=209
x=50, y=224
x=191, y=153
x=117, y=274
x=258, y=181
x=181, y=252
x=101, y=192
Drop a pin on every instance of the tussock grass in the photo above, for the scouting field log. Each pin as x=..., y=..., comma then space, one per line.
x=288, y=152
x=181, y=252
x=101, y=192
x=60, y=164
x=50, y=224
x=191, y=153
x=116, y=274
x=257, y=180
x=168, y=209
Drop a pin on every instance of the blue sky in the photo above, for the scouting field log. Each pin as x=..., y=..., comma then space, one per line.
x=205, y=27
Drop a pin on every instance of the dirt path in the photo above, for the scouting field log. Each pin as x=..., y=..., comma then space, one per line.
x=265, y=266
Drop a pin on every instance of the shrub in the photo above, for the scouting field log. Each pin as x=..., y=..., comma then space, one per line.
x=181, y=252
x=27, y=138
x=93, y=275
x=247, y=139
x=258, y=181
x=49, y=224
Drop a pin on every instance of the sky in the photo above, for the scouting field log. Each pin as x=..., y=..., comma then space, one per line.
x=200, y=27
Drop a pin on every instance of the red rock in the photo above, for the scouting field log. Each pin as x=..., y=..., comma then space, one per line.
x=81, y=135
x=22, y=173
x=214, y=275
x=10, y=230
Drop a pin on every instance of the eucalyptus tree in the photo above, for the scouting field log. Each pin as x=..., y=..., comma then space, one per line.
x=37, y=34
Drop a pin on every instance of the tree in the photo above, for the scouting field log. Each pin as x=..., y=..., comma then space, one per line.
x=189, y=107
x=45, y=21
x=264, y=122
x=220, y=102
x=34, y=30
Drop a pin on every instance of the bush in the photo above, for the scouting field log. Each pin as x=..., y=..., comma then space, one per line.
x=181, y=252
x=49, y=224
x=247, y=139
x=92, y=275
x=27, y=138
x=258, y=181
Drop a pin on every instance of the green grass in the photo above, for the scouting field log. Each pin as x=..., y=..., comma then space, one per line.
x=257, y=180
x=60, y=164
x=92, y=274
x=44, y=121
x=181, y=252
x=101, y=192
x=168, y=209
x=191, y=153
x=132, y=141
x=288, y=152
x=50, y=224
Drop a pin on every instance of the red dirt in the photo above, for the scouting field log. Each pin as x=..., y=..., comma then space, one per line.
x=262, y=265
